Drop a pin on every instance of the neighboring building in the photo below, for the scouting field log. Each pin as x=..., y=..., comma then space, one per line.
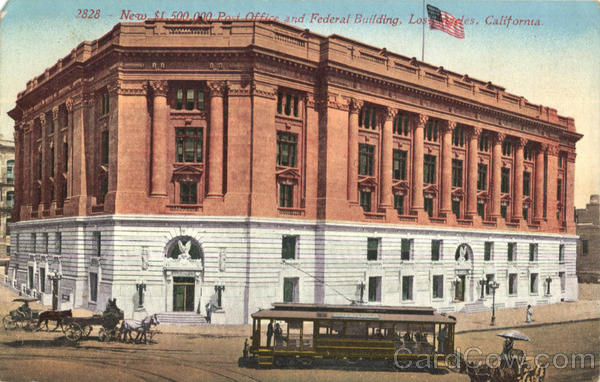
x=7, y=196
x=169, y=164
x=588, y=247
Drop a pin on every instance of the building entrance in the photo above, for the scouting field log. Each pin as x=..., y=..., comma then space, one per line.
x=183, y=294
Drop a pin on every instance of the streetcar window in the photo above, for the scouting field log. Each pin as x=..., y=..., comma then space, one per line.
x=356, y=329
x=331, y=329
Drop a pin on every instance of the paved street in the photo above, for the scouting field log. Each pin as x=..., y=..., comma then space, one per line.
x=210, y=353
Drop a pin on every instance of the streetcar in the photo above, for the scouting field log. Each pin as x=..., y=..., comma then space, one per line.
x=291, y=334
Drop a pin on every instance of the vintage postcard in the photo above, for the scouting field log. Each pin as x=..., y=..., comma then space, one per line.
x=299, y=190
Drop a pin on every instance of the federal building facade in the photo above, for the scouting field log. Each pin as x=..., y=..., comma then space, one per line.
x=180, y=165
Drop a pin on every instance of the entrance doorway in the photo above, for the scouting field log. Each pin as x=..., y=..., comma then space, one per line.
x=183, y=294
x=459, y=294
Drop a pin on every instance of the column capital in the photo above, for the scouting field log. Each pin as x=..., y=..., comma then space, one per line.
x=448, y=126
x=355, y=105
x=500, y=137
x=43, y=119
x=552, y=150
x=542, y=147
x=113, y=87
x=55, y=112
x=217, y=88
x=159, y=88
x=69, y=104
x=389, y=113
x=521, y=142
x=476, y=132
x=422, y=120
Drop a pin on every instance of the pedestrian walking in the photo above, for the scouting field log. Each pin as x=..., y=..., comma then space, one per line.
x=529, y=314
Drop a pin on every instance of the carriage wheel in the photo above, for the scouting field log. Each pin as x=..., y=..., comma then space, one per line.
x=8, y=323
x=73, y=332
x=86, y=330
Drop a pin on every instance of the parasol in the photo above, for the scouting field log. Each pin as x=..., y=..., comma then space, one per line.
x=515, y=335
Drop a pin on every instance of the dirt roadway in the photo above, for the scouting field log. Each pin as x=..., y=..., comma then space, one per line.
x=45, y=356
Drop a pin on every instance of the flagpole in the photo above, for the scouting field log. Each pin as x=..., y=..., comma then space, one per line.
x=423, y=45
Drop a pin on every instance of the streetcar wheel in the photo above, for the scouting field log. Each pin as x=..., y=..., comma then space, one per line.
x=74, y=332
x=8, y=323
x=305, y=362
x=280, y=362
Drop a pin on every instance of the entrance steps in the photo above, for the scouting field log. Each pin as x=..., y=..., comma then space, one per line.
x=476, y=307
x=181, y=318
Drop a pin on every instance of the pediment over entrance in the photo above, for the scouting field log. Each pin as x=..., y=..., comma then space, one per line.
x=182, y=265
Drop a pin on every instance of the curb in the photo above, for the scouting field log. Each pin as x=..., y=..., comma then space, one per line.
x=527, y=326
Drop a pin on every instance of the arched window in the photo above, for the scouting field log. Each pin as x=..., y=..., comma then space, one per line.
x=185, y=245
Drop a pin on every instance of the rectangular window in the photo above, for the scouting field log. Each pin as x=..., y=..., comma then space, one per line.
x=105, y=147
x=288, y=247
x=533, y=249
x=481, y=176
x=489, y=279
x=7, y=224
x=456, y=208
x=533, y=283
x=458, y=137
x=406, y=250
x=367, y=118
x=43, y=280
x=563, y=281
x=428, y=204
x=457, y=173
x=399, y=204
x=488, y=250
x=98, y=244
x=526, y=183
x=179, y=99
x=561, y=253
x=584, y=247
x=512, y=252
x=51, y=162
x=431, y=130
x=401, y=124
x=526, y=213
x=481, y=209
x=438, y=286
x=45, y=237
x=365, y=200
x=105, y=103
x=505, y=181
x=503, y=209
x=374, y=289
x=286, y=195
x=287, y=144
x=66, y=157
x=58, y=243
x=93, y=286
x=287, y=104
x=34, y=242
x=512, y=284
x=484, y=141
x=30, y=277
x=189, y=144
x=558, y=189
x=290, y=289
x=365, y=159
x=373, y=249
x=436, y=250
x=189, y=99
x=407, y=288
x=18, y=242
x=188, y=192
x=399, y=164
x=200, y=100
x=429, y=169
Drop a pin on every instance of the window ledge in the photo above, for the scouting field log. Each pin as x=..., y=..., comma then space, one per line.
x=184, y=207
x=290, y=117
x=408, y=302
x=374, y=215
x=291, y=211
x=437, y=299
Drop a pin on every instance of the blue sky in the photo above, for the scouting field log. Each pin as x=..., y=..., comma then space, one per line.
x=555, y=63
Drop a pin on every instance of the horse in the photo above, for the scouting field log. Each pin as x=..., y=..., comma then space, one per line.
x=140, y=327
x=53, y=315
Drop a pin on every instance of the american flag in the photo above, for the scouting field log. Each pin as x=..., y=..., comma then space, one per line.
x=445, y=22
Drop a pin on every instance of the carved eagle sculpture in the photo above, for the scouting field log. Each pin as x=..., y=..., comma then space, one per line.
x=184, y=250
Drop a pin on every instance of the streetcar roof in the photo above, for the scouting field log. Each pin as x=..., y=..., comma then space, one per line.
x=353, y=313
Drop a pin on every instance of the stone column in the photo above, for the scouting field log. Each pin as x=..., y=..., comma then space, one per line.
x=387, y=148
x=446, y=196
x=352, y=186
x=215, y=140
x=69, y=159
x=78, y=169
x=551, y=201
x=43, y=156
x=32, y=155
x=472, y=172
x=160, y=124
x=417, y=181
x=519, y=167
x=569, y=192
x=496, y=174
x=57, y=177
x=539, y=182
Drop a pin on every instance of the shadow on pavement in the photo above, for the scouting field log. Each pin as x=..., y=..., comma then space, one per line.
x=56, y=342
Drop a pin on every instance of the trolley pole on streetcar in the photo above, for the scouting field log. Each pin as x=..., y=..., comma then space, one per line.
x=494, y=285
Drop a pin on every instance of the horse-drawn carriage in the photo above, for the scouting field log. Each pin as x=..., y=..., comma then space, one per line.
x=22, y=317
x=76, y=328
